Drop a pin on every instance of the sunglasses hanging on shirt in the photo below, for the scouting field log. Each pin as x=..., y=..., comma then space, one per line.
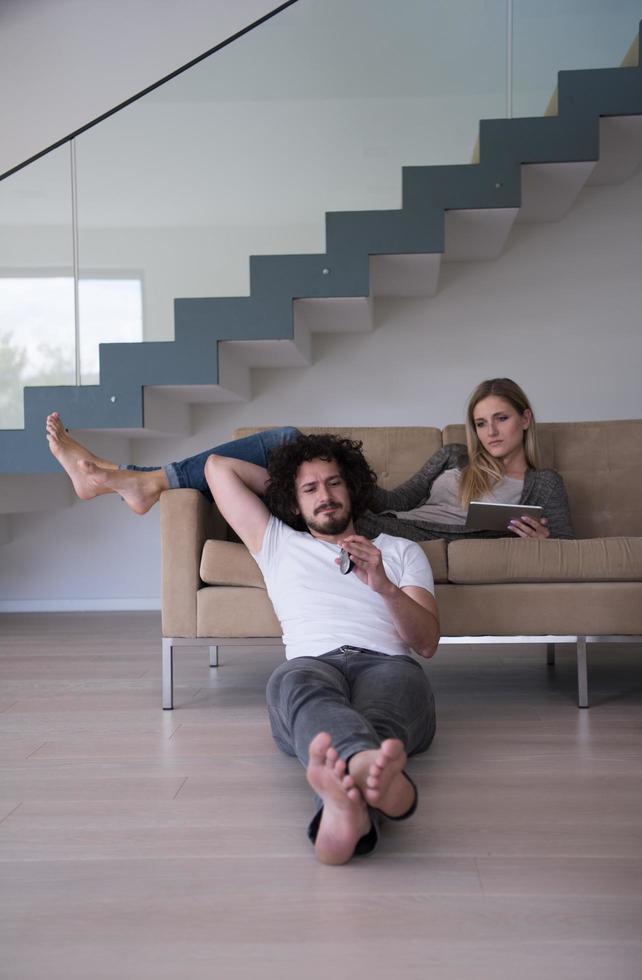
x=346, y=563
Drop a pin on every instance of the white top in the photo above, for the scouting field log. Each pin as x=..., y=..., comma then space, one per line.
x=319, y=608
x=443, y=506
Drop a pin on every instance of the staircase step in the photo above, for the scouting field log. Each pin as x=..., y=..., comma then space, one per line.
x=164, y=414
x=235, y=360
x=549, y=190
x=620, y=150
x=271, y=353
x=350, y=315
x=404, y=275
x=340, y=272
x=473, y=235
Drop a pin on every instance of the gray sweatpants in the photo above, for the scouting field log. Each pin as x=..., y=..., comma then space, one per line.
x=360, y=697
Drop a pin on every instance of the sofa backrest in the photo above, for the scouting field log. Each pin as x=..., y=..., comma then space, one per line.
x=394, y=452
x=601, y=464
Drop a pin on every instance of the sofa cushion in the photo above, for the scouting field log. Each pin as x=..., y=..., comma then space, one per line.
x=229, y=563
x=540, y=609
x=550, y=560
x=436, y=554
x=231, y=611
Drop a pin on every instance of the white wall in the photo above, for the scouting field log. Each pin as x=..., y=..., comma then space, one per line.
x=65, y=62
x=559, y=312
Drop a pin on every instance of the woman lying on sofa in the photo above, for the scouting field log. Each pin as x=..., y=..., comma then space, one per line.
x=499, y=464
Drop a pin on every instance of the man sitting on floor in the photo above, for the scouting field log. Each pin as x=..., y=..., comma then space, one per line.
x=350, y=701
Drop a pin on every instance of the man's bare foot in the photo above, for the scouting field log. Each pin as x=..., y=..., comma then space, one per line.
x=345, y=816
x=379, y=775
x=70, y=454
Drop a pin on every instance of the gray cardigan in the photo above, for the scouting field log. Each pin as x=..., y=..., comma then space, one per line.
x=541, y=487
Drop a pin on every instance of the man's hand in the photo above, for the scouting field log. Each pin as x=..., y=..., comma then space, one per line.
x=368, y=563
x=413, y=609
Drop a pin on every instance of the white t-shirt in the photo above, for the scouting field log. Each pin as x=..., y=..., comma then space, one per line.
x=319, y=608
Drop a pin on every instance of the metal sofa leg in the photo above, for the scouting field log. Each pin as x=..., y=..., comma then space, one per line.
x=168, y=678
x=213, y=656
x=582, y=673
x=550, y=654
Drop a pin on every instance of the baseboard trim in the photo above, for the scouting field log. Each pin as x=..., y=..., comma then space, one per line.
x=79, y=605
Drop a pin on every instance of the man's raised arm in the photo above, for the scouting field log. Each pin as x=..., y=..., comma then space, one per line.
x=236, y=487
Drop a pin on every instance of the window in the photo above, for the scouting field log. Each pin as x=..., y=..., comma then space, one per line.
x=37, y=331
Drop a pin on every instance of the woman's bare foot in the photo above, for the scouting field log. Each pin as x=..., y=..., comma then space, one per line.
x=139, y=490
x=70, y=454
x=93, y=476
x=345, y=816
x=379, y=775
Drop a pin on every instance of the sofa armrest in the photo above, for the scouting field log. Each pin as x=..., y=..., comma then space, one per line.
x=187, y=520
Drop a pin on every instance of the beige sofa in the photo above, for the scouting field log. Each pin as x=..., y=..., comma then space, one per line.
x=488, y=590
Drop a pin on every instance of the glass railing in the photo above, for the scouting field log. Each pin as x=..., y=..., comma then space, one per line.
x=37, y=292
x=316, y=110
x=553, y=35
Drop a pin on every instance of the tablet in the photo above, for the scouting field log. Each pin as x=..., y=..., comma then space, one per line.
x=495, y=517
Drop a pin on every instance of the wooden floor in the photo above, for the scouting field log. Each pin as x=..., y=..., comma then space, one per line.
x=139, y=843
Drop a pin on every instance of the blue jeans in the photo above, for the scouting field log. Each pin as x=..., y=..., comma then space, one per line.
x=360, y=697
x=190, y=473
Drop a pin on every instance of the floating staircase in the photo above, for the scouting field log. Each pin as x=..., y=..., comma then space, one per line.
x=523, y=170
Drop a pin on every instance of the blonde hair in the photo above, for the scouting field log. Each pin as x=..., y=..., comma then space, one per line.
x=482, y=472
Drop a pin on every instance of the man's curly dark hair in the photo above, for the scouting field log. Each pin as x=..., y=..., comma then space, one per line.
x=284, y=462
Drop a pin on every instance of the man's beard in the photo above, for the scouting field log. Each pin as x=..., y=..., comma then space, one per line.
x=335, y=524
